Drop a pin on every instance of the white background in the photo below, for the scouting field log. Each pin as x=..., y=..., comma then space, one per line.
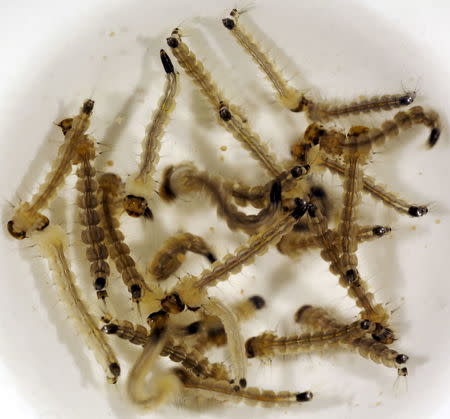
x=55, y=54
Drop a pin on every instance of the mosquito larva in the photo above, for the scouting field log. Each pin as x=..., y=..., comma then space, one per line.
x=289, y=97
x=268, y=344
x=356, y=289
x=110, y=188
x=347, y=228
x=191, y=290
x=295, y=243
x=402, y=121
x=294, y=100
x=172, y=254
x=221, y=390
x=92, y=234
x=53, y=246
x=190, y=358
x=164, y=386
x=228, y=115
x=27, y=216
x=378, y=191
x=325, y=111
x=316, y=318
x=185, y=178
x=139, y=187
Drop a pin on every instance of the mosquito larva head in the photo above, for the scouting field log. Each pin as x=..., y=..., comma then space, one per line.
x=224, y=113
x=88, y=107
x=19, y=235
x=306, y=396
x=136, y=292
x=417, y=211
x=249, y=350
x=312, y=210
x=298, y=171
x=156, y=319
x=211, y=257
x=298, y=315
x=110, y=328
x=65, y=125
x=99, y=283
x=401, y=358
x=434, y=137
x=275, y=192
x=166, y=62
x=172, y=42
x=301, y=206
x=257, y=301
x=407, y=98
x=173, y=304
x=380, y=231
x=243, y=383
x=228, y=23
x=136, y=206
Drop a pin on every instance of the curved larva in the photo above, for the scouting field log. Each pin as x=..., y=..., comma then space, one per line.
x=235, y=341
x=172, y=253
x=325, y=111
x=287, y=95
x=52, y=244
x=139, y=187
x=92, y=234
x=223, y=391
x=318, y=319
x=269, y=345
x=110, y=188
x=27, y=216
x=331, y=253
x=233, y=263
x=296, y=243
x=379, y=192
x=191, y=291
x=163, y=387
x=228, y=115
x=186, y=178
x=174, y=350
x=402, y=121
